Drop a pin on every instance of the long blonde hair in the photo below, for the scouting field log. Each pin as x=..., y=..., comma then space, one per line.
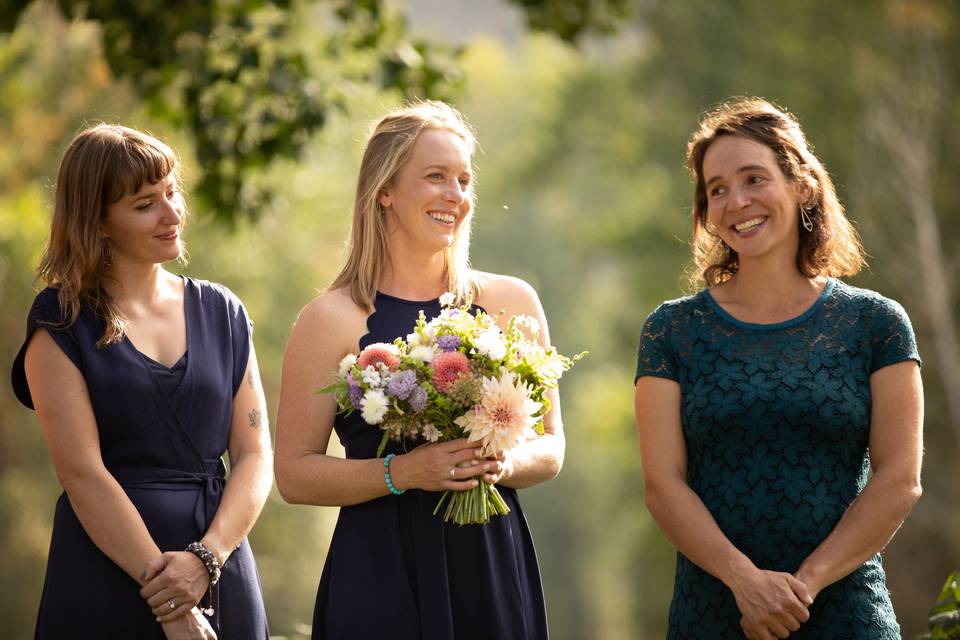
x=102, y=164
x=389, y=146
x=832, y=247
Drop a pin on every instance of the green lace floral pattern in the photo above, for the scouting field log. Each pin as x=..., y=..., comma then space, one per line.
x=776, y=419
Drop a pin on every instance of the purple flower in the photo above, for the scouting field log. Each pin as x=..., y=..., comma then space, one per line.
x=448, y=342
x=401, y=384
x=418, y=399
x=354, y=392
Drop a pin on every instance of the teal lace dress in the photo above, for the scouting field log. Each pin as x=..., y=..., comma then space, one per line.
x=776, y=420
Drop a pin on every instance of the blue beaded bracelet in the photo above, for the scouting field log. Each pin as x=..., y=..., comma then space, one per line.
x=388, y=479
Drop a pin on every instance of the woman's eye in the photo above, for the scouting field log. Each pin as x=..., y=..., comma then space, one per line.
x=755, y=179
x=144, y=206
x=716, y=192
x=465, y=182
x=436, y=176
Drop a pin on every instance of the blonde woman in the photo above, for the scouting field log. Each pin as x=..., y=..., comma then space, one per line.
x=759, y=398
x=141, y=380
x=394, y=570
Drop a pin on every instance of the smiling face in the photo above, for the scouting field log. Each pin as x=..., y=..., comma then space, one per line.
x=750, y=202
x=432, y=194
x=145, y=227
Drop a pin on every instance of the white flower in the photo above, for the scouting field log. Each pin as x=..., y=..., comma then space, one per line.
x=374, y=406
x=504, y=413
x=548, y=364
x=414, y=339
x=346, y=364
x=430, y=432
x=529, y=322
x=370, y=376
x=446, y=300
x=491, y=344
x=422, y=353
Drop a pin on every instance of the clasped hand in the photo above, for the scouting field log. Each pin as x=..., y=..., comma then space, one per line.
x=447, y=466
x=191, y=626
x=174, y=582
x=774, y=604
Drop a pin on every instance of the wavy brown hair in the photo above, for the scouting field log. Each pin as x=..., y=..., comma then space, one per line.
x=102, y=164
x=832, y=248
x=389, y=146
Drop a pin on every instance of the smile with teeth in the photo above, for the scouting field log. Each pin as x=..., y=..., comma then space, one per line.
x=441, y=216
x=752, y=223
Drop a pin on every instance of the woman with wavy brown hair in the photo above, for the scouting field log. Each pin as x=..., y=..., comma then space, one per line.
x=142, y=380
x=779, y=410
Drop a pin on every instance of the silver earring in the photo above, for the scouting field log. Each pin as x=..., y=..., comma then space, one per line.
x=805, y=220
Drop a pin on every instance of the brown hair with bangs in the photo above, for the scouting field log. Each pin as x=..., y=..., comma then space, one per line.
x=831, y=248
x=102, y=165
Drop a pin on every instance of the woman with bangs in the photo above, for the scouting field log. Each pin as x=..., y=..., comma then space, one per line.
x=779, y=410
x=394, y=569
x=141, y=381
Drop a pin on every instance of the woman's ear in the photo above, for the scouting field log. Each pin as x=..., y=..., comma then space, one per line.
x=806, y=188
x=384, y=199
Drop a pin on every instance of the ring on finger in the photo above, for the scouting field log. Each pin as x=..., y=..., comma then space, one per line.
x=172, y=603
x=453, y=472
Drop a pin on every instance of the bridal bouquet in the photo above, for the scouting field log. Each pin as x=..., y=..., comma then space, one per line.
x=457, y=375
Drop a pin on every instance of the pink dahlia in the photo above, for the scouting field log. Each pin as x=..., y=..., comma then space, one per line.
x=379, y=352
x=447, y=368
x=504, y=412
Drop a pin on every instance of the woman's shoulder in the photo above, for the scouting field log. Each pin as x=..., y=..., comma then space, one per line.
x=866, y=301
x=331, y=310
x=213, y=293
x=47, y=300
x=676, y=308
x=48, y=312
x=503, y=292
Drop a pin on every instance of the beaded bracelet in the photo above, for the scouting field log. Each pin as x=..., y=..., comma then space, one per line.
x=212, y=565
x=388, y=479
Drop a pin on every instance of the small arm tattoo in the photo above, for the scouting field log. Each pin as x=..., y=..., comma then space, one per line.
x=251, y=379
x=254, y=416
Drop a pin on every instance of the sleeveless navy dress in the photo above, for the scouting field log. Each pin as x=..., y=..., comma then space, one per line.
x=162, y=433
x=394, y=570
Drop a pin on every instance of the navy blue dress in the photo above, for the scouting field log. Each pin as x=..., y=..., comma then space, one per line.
x=776, y=421
x=162, y=433
x=394, y=570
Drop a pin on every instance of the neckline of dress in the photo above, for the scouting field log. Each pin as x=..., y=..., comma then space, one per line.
x=187, y=283
x=387, y=296
x=770, y=326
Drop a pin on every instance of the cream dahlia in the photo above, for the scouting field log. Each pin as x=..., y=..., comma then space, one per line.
x=504, y=412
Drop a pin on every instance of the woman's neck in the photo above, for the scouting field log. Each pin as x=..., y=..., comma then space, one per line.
x=138, y=283
x=767, y=287
x=413, y=275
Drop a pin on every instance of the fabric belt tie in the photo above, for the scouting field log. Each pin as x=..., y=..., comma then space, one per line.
x=212, y=479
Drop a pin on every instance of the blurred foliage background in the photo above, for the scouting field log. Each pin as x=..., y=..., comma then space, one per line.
x=583, y=109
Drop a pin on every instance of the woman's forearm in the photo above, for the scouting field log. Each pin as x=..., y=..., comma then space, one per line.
x=244, y=495
x=864, y=530
x=327, y=481
x=536, y=460
x=110, y=519
x=689, y=525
